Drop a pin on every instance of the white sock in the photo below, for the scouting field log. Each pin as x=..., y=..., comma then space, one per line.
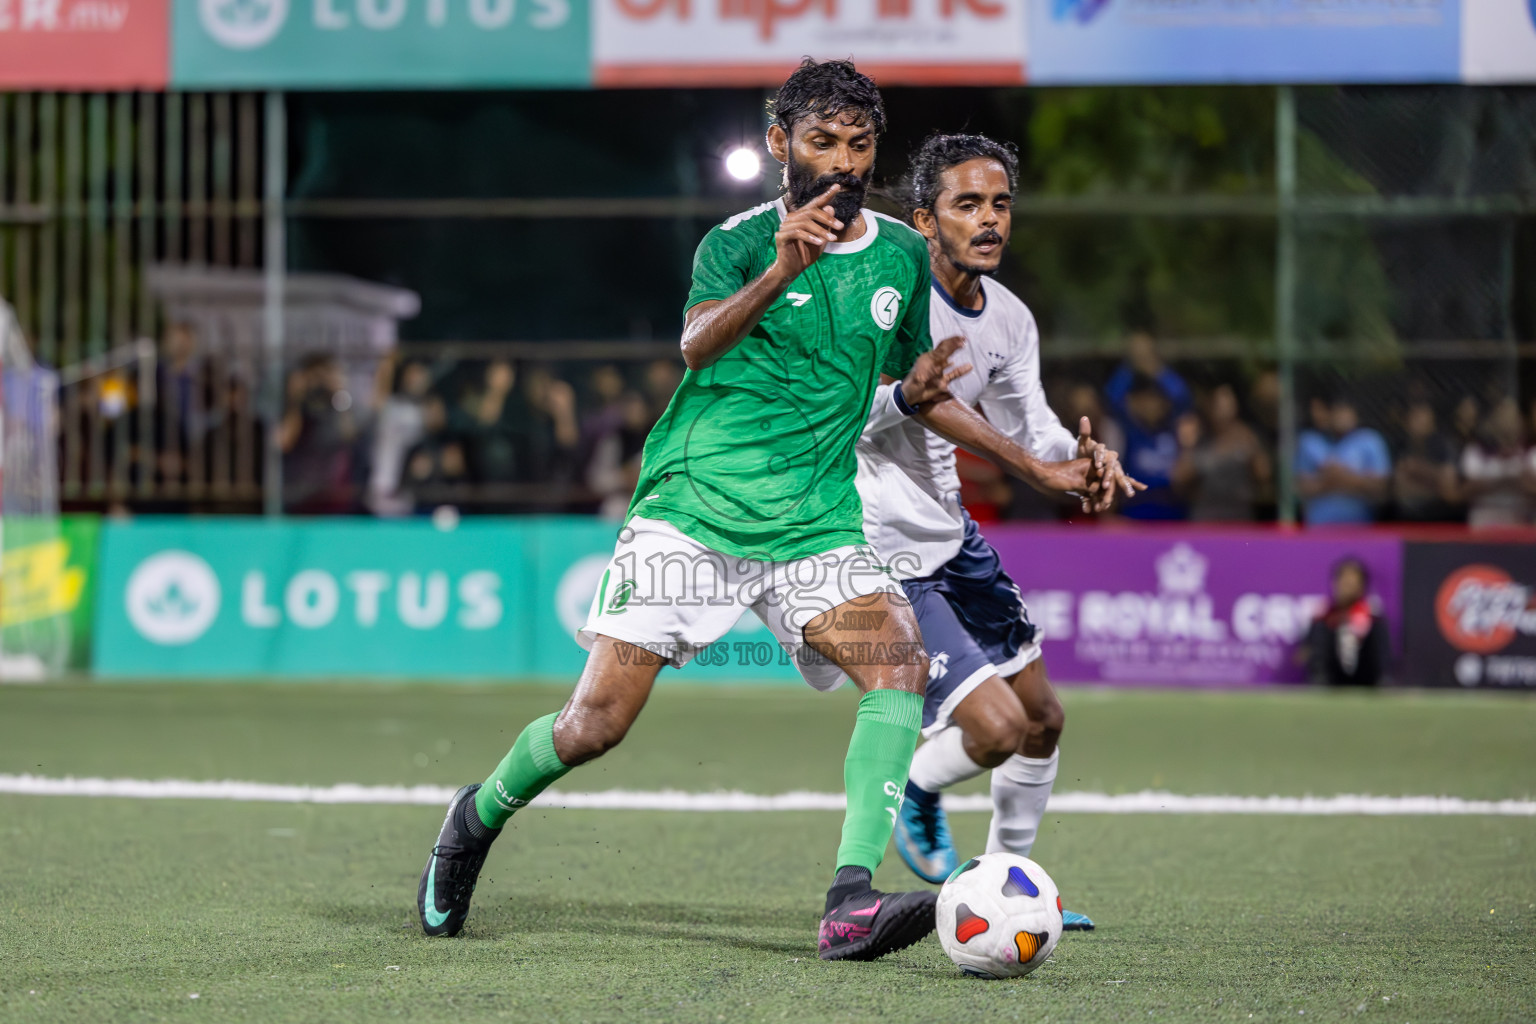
x=1021, y=787
x=942, y=762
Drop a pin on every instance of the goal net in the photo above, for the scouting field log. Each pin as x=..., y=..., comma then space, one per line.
x=34, y=629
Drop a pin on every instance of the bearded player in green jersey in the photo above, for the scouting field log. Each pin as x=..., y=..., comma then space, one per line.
x=746, y=500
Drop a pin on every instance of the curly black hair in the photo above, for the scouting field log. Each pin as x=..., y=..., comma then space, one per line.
x=941, y=152
x=824, y=90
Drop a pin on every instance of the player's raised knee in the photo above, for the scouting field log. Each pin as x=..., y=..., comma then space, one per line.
x=584, y=732
x=917, y=666
x=1045, y=723
x=999, y=733
x=905, y=670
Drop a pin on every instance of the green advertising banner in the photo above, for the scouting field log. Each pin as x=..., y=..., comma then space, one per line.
x=387, y=44
x=47, y=588
x=489, y=599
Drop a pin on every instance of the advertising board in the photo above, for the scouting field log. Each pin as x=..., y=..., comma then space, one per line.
x=424, y=44
x=47, y=588
x=758, y=42
x=390, y=44
x=1192, y=41
x=83, y=44
x=1498, y=41
x=1185, y=607
x=491, y=598
x=503, y=598
x=1470, y=614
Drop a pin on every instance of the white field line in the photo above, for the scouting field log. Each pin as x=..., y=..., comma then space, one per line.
x=1145, y=802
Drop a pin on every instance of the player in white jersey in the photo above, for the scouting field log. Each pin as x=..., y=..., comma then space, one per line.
x=989, y=704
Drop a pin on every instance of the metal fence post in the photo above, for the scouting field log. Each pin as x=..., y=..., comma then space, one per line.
x=274, y=254
x=1285, y=294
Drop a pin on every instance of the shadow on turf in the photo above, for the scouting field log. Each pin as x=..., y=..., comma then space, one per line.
x=741, y=926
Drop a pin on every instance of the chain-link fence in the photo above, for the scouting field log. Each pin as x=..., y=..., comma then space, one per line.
x=1412, y=217
x=1266, y=297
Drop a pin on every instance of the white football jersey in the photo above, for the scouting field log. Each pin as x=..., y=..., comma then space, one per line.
x=907, y=478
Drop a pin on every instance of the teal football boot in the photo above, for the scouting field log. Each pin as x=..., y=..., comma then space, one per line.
x=922, y=836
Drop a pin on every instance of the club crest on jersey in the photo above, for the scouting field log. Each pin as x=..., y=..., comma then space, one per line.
x=621, y=595
x=885, y=306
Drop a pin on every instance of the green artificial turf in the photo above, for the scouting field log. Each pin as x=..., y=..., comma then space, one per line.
x=123, y=909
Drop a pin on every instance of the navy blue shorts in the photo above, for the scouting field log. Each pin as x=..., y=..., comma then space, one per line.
x=974, y=625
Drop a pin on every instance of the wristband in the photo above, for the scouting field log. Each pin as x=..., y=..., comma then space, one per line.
x=901, y=402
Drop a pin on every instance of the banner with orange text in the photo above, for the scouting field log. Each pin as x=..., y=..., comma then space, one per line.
x=758, y=42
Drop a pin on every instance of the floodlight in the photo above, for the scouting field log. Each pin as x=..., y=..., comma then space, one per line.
x=743, y=164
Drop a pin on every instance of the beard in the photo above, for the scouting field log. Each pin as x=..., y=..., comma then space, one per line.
x=953, y=253
x=803, y=187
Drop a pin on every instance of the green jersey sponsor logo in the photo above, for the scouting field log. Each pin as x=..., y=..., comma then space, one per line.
x=884, y=307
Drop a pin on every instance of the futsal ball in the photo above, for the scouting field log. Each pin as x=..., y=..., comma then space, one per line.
x=999, y=916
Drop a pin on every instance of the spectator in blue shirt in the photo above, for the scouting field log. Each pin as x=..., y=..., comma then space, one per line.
x=1148, y=398
x=1343, y=474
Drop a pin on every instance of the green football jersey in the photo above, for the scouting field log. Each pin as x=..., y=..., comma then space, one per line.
x=754, y=456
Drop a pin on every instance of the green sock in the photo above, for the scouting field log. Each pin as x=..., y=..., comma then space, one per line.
x=875, y=773
x=529, y=767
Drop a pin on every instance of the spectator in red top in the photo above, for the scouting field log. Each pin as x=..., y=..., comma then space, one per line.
x=1347, y=644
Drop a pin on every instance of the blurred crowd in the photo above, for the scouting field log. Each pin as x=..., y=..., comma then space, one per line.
x=495, y=435
x=1208, y=451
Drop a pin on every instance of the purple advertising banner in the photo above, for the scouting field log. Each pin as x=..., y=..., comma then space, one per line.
x=1179, y=606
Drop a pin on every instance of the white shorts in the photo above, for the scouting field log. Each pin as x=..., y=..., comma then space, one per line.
x=668, y=593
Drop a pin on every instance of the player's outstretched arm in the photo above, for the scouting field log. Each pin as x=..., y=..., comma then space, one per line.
x=713, y=328
x=959, y=424
x=929, y=379
x=927, y=382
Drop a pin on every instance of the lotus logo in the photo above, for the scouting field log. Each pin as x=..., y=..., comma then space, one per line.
x=1084, y=11
x=242, y=24
x=172, y=598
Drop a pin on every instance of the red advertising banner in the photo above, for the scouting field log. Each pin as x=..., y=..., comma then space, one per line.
x=759, y=42
x=84, y=44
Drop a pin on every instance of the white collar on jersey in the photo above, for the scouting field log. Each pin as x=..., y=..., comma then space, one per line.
x=864, y=241
x=966, y=311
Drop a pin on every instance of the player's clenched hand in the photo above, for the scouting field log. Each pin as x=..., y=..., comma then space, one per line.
x=928, y=380
x=1107, y=478
x=803, y=234
x=1073, y=477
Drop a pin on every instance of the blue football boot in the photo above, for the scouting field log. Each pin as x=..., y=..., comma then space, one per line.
x=1071, y=921
x=922, y=836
